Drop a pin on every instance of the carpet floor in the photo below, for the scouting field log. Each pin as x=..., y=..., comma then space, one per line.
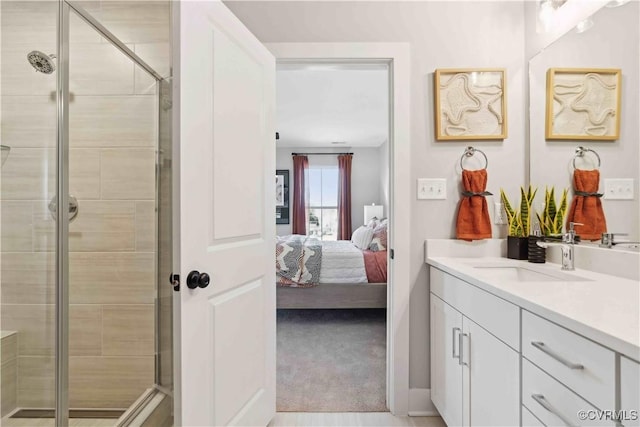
x=331, y=360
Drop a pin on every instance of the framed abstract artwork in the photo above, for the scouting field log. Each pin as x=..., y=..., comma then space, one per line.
x=470, y=104
x=583, y=104
x=282, y=196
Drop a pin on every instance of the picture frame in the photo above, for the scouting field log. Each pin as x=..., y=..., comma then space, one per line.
x=583, y=104
x=470, y=104
x=282, y=196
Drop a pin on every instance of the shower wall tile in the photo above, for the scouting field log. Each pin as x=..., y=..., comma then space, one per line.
x=35, y=326
x=36, y=382
x=128, y=330
x=8, y=347
x=100, y=226
x=108, y=382
x=84, y=173
x=27, y=278
x=112, y=278
x=99, y=69
x=17, y=222
x=29, y=121
x=128, y=174
x=18, y=27
x=146, y=226
x=9, y=389
x=85, y=330
x=137, y=21
x=28, y=174
x=113, y=121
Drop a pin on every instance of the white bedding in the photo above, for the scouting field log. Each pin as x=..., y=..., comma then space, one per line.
x=342, y=262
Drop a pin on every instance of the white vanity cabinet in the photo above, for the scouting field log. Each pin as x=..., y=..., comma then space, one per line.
x=474, y=373
x=630, y=392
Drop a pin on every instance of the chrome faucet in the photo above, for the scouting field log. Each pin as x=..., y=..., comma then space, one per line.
x=608, y=240
x=568, y=242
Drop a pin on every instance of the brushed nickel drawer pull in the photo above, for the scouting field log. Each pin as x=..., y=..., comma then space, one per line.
x=546, y=405
x=543, y=348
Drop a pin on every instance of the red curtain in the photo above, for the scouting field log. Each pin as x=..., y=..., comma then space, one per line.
x=299, y=221
x=344, y=197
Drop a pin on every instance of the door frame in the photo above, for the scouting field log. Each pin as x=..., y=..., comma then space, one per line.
x=397, y=55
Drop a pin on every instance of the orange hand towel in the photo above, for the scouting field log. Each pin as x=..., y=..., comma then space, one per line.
x=473, y=221
x=586, y=206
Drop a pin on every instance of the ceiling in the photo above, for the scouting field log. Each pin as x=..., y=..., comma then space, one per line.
x=321, y=104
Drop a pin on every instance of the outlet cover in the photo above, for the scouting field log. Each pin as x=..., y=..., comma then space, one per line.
x=432, y=189
x=618, y=189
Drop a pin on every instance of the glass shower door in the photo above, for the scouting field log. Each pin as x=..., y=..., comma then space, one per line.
x=27, y=230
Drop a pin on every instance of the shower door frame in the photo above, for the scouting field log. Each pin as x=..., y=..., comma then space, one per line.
x=65, y=7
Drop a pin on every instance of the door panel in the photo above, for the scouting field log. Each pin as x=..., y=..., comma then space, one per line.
x=446, y=372
x=491, y=379
x=227, y=197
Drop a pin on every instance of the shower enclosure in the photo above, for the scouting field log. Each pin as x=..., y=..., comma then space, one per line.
x=85, y=207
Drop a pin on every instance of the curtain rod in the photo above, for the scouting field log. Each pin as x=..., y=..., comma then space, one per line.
x=322, y=154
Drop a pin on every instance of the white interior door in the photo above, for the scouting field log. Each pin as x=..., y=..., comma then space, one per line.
x=227, y=219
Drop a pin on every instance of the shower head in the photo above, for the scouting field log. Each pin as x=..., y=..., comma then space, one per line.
x=42, y=62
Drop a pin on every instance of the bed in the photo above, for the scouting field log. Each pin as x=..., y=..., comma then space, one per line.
x=314, y=274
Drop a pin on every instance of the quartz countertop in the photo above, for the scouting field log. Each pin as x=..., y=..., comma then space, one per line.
x=601, y=307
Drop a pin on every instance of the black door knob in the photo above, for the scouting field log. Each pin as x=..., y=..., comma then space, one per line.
x=195, y=279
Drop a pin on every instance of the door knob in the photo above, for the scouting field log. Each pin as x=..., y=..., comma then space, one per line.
x=195, y=279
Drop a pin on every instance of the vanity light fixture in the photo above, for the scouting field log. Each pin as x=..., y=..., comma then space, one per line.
x=617, y=3
x=584, y=25
x=546, y=10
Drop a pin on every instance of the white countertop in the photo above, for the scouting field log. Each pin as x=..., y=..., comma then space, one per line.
x=603, y=308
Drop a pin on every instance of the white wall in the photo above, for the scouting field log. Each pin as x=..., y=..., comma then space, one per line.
x=383, y=154
x=442, y=35
x=366, y=169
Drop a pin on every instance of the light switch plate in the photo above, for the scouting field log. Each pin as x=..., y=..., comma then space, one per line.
x=432, y=188
x=618, y=189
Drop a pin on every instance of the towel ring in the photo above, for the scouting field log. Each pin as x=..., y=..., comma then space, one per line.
x=580, y=152
x=469, y=152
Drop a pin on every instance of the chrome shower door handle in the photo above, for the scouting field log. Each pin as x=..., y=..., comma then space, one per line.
x=73, y=207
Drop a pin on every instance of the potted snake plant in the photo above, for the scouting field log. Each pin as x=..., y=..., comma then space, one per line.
x=519, y=222
x=550, y=220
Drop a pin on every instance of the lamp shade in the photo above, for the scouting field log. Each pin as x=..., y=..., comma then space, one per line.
x=371, y=211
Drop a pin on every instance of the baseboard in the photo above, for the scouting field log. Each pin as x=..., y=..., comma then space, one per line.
x=420, y=404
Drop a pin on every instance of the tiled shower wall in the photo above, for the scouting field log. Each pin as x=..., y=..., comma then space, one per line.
x=113, y=138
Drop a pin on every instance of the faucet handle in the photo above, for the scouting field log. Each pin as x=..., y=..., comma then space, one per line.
x=608, y=239
x=570, y=235
x=571, y=224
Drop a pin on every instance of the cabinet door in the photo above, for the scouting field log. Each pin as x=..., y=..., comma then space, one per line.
x=629, y=392
x=491, y=384
x=446, y=372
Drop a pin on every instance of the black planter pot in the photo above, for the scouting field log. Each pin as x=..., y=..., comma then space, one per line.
x=517, y=247
x=536, y=253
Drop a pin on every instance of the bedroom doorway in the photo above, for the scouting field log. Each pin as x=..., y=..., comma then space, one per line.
x=333, y=197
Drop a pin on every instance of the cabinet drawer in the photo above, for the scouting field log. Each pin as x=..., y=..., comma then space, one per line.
x=529, y=420
x=494, y=314
x=551, y=402
x=582, y=365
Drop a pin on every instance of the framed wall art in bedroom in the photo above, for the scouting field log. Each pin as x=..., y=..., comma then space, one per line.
x=282, y=196
x=470, y=104
x=583, y=104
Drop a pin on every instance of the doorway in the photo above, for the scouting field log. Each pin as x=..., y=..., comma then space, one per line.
x=332, y=157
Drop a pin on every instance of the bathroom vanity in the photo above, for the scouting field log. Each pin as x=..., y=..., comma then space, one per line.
x=516, y=343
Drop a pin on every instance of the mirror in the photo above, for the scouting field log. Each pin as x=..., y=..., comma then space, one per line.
x=613, y=41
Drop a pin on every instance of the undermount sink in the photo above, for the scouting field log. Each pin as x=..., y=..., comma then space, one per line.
x=523, y=274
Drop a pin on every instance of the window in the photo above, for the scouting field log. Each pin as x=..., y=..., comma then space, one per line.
x=323, y=202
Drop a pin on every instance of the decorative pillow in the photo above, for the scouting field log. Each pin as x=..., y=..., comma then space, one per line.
x=373, y=222
x=361, y=238
x=379, y=239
